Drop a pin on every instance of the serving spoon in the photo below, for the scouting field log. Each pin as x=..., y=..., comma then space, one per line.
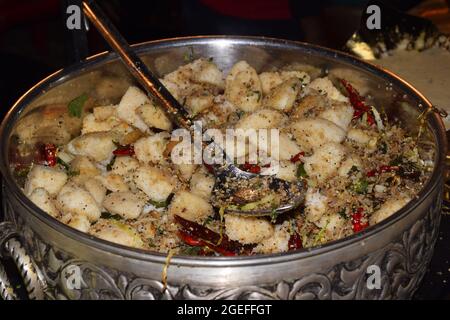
x=229, y=177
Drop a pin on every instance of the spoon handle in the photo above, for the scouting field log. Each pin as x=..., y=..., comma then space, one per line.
x=135, y=65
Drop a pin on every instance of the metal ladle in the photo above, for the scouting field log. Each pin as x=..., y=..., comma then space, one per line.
x=228, y=176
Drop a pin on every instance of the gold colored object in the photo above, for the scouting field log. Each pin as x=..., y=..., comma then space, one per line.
x=446, y=203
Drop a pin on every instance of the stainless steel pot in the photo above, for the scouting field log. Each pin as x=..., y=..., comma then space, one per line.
x=58, y=262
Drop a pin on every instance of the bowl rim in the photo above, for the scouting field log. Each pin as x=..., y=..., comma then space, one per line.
x=102, y=58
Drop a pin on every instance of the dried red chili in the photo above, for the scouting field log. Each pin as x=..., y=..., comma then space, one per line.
x=388, y=168
x=197, y=235
x=357, y=225
x=252, y=168
x=297, y=157
x=209, y=167
x=127, y=150
x=189, y=240
x=50, y=154
x=359, y=106
x=382, y=169
x=371, y=173
x=370, y=119
x=295, y=242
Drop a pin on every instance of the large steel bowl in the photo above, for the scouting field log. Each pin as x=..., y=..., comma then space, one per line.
x=59, y=262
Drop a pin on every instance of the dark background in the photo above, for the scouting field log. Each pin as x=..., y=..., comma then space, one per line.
x=34, y=42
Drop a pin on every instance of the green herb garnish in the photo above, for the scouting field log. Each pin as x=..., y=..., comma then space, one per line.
x=111, y=163
x=162, y=204
x=274, y=215
x=63, y=163
x=76, y=105
x=191, y=251
x=22, y=172
x=73, y=173
x=301, y=172
x=240, y=113
x=343, y=213
x=208, y=220
x=319, y=237
x=66, y=166
x=292, y=227
x=353, y=169
x=397, y=161
x=383, y=147
x=158, y=204
x=361, y=186
x=151, y=242
x=107, y=215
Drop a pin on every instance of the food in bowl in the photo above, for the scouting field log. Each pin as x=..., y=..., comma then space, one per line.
x=107, y=170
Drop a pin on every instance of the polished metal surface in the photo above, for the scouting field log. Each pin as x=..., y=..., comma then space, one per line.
x=401, y=246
